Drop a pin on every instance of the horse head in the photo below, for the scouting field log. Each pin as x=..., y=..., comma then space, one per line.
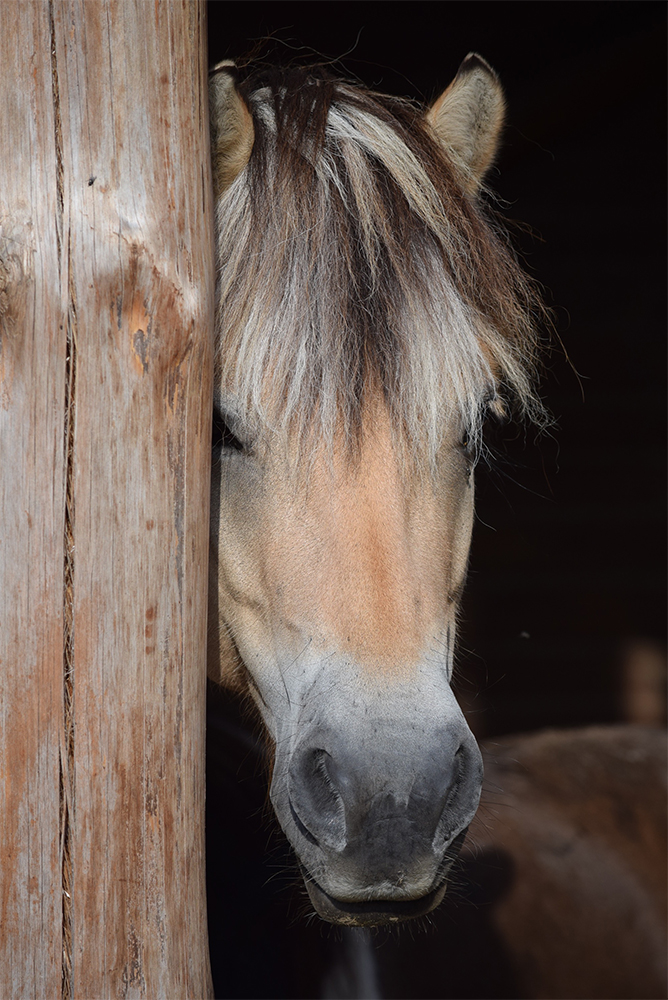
x=367, y=319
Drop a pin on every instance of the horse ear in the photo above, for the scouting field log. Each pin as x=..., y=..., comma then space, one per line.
x=468, y=117
x=232, y=131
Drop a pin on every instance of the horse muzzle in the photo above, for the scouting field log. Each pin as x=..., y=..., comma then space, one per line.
x=377, y=813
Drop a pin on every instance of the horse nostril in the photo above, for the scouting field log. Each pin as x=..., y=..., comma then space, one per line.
x=315, y=804
x=462, y=793
x=305, y=832
x=458, y=769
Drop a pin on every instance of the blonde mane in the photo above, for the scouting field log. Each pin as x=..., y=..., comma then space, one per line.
x=350, y=258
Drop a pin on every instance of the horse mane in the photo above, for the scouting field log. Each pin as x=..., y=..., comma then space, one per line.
x=350, y=259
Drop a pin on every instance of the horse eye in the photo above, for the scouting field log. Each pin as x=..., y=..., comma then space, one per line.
x=222, y=436
x=466, y=443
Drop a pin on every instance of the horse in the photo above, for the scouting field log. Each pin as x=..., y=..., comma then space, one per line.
x=369, y=316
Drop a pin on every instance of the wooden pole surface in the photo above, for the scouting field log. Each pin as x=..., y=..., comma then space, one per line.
x=106, y=301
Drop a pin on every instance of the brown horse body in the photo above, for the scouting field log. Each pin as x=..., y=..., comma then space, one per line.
x=576, y=823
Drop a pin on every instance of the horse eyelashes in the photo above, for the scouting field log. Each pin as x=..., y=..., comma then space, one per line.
x=222, y=436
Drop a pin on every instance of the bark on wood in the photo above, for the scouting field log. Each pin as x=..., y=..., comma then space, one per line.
x=106, y=290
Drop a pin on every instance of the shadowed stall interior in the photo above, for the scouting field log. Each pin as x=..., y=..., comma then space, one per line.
x=564, y=611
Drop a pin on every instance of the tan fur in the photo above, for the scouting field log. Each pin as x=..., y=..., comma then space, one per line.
x=232, y=131
x=468, y=118
x=353, y=559
x=376, y=554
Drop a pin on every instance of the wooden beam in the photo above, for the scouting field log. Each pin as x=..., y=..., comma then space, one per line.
x=106, y=295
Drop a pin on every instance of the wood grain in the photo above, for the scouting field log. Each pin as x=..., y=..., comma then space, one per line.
x=32, y=478
x=107, y=378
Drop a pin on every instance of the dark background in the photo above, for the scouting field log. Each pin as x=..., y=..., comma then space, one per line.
x=564, y=614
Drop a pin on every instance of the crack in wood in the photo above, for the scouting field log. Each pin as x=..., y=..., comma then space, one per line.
x=67, y=754
x=66, y=782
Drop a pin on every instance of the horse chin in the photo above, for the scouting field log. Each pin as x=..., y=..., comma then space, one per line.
x=373, y=913
x=376, y=912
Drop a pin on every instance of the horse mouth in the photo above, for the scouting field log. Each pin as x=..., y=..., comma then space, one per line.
x=374, y=912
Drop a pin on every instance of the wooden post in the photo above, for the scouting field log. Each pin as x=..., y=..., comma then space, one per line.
x=106, y=295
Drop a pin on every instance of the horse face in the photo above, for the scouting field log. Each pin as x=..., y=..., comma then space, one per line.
x=351, y=249
x=337, y=590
